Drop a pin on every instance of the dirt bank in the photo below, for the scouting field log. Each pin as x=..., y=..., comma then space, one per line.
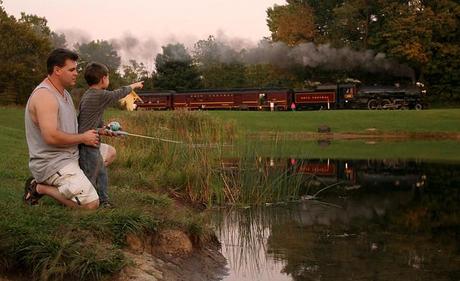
x=172, y=256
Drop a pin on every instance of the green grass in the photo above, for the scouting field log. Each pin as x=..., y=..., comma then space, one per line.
x=435, y=120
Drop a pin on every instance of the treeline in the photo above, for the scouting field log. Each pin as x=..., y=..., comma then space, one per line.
x=375, y=42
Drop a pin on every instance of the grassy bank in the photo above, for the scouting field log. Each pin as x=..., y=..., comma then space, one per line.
x=49, y=242
x=435, y=120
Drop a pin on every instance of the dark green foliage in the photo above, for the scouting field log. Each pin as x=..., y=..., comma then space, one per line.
x=219, y=65
x=101, y=51
x=24, y=46
x=175, y=69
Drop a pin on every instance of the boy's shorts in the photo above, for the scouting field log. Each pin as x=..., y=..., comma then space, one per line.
x=73, y=184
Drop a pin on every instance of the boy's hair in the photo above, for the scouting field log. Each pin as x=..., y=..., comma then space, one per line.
x=94, y=72
x=57, y=57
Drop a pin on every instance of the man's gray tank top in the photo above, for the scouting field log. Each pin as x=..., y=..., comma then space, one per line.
x=44, y=159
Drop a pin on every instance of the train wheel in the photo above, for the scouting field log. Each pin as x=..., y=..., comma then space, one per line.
x=386, y=104
x=373, y=104
x=418, y=106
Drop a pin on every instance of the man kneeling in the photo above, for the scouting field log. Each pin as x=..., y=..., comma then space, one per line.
x=52, y=137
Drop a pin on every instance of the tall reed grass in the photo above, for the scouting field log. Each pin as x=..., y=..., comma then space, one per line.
x=213, y=164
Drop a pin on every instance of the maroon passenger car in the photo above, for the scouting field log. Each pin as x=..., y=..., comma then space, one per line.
x=244, y=99
x=155, y=101
x=251, y=99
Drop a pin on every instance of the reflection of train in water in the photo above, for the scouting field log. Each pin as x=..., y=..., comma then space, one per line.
x=327, y=97
x=351, y=174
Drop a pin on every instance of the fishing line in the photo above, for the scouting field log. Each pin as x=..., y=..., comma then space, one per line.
x=114, y=127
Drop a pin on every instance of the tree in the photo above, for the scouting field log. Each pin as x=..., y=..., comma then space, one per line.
x=442, y=73
x=404, y=32
x=292, y=23
x=36, y=23
x=58, y=40
x=175, y=69
x=351, y=24
x=24, y=46
x=103, y=52
x=134, y=71
x=100, y=51
x=218, y=64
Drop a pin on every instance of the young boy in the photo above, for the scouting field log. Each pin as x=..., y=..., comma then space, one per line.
x=91, y=109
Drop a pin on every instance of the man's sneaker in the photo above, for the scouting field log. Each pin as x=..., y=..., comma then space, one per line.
x=31, y=196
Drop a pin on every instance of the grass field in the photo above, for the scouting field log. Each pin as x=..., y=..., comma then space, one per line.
x=435, y=120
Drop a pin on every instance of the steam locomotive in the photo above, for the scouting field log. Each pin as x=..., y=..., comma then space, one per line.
x=337, y=96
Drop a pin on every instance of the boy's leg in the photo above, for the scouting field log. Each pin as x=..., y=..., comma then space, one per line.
x=88, y=161
x=92, y=164
x=102, y=184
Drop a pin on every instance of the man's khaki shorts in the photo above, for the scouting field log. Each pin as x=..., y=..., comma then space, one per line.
x=73, y=184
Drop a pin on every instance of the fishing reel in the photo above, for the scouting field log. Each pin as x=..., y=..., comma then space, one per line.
x=113, y=126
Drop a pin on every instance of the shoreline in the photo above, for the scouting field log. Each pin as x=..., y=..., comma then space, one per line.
x=172, y=255
x=371, y=135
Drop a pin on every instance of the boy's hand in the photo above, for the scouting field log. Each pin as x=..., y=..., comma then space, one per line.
x=106, y=132
x=137, y=85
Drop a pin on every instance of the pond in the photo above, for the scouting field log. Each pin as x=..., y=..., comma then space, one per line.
x=386, y=219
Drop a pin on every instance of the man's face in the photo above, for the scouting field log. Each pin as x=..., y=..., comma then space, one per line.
x=68, y=73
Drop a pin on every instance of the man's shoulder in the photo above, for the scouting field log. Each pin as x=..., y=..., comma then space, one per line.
x=41, y=101
x=43, y=95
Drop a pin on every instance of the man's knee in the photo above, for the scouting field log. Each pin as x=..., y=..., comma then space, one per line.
x=91, y=205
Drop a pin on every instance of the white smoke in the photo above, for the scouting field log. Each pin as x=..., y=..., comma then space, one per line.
x=75, y=36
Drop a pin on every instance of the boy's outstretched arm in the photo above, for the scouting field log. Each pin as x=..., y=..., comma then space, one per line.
x=112, y=96
x=137, y=85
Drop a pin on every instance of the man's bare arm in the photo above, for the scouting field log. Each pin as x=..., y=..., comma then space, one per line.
x=44, y=108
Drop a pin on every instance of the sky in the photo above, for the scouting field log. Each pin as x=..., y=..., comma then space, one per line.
x=147, y=25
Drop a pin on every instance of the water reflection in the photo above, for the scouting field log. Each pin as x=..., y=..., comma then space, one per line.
x=386, y=220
